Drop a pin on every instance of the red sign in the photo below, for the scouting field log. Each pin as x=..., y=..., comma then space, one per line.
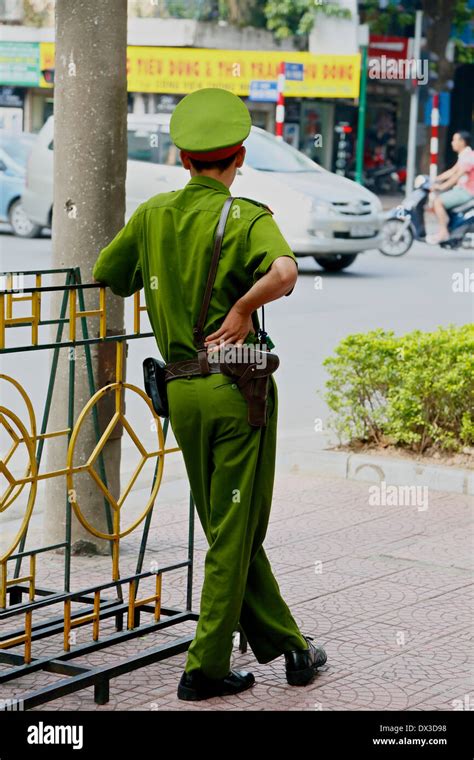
x=391, y=47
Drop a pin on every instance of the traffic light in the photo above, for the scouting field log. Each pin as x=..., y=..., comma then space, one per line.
x=48, y=75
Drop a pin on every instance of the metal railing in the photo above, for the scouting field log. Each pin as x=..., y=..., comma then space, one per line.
x=21, y=599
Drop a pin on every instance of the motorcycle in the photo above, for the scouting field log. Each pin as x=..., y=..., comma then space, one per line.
x=399, y=178
x=381, y=180
x=405, y=223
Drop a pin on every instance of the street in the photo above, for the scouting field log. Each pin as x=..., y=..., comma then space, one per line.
x=402, y=294
x=311, y=528
x=388, y=576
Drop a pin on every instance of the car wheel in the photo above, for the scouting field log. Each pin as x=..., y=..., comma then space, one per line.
x=396, y=238
x=336, y=261
x=21, y=225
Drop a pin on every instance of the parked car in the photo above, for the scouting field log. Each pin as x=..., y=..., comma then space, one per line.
x=14, y=150
x=321, y=214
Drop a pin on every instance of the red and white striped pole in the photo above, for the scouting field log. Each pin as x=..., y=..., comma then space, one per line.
x=434, y=142
x=280, y=109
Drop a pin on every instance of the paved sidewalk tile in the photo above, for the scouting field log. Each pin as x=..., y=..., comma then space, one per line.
x=388, y=591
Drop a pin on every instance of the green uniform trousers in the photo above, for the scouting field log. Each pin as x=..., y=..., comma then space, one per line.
x=231, y=468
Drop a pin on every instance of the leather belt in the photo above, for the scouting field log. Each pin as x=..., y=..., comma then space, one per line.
x=188, y=368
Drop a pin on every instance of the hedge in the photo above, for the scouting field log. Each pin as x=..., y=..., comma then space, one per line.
x=415, y=391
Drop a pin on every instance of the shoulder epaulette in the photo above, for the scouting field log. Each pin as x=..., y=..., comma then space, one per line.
x=256, y=203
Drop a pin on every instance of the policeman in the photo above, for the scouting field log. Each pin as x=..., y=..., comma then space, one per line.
x=166, y=248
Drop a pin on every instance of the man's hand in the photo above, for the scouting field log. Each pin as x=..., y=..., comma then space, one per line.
x=277, y=282
x=234, y=329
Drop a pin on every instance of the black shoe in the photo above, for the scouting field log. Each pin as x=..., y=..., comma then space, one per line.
x=195, y=685
x=301, y=664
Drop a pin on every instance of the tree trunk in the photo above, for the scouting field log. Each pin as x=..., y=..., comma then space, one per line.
x=89, y=204
x=438, y=23
x=239, y=12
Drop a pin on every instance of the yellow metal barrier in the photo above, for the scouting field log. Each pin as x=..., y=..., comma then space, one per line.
x=25, y=435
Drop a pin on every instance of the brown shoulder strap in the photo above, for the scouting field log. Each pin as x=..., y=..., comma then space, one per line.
x=199, y=327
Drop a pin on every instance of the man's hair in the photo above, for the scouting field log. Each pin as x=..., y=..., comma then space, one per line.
x=464, y=135
x=222, y=164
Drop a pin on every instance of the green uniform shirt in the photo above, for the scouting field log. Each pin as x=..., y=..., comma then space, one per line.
x=166, y=248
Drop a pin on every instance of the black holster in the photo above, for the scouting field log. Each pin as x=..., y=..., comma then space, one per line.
x=155, y=385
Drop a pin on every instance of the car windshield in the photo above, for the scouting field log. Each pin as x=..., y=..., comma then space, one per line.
x=264, y=151
x=267, y=154
x=17, y=148
x=143, y=145
x=152, y=145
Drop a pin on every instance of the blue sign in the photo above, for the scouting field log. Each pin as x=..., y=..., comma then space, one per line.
x=294, y=71
x=263, y=91
x=444, y=109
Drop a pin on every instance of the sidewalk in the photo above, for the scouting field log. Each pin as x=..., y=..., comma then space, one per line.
x=386, y=589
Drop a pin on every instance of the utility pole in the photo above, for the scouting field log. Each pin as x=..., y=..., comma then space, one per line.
x=280, y=108
x=412, y=124
x=434, y=140
x=364, y=44
x=90, y=122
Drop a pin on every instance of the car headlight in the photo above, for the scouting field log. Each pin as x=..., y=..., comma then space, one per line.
x=320, y=208
x=377, y=205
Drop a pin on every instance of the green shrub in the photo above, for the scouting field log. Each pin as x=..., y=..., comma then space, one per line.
x=414, y=391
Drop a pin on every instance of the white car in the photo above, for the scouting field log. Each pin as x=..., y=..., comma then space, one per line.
x=14, y=150
x=320, y=214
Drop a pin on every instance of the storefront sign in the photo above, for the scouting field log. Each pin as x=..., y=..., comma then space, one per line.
x=19, y=63
x=263, y=91
x=388, y=59
x=294, y=71
x=181, y=70
x=46, y=61
x=11, y=96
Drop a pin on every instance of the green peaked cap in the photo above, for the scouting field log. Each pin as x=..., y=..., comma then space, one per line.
x=208, y=120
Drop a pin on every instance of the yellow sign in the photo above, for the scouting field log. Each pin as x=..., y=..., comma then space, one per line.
x=181, y=70
x=46, y=60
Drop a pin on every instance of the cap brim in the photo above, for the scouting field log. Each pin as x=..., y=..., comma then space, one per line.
x=213, y=155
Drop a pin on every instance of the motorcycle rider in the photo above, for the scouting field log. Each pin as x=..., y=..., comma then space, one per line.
x=455, y=186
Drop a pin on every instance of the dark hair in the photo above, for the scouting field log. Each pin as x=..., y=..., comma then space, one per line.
x=464, y=135
x=222, y=164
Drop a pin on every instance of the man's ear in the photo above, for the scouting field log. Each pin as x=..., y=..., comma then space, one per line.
x=240, y=157
x=185, y=160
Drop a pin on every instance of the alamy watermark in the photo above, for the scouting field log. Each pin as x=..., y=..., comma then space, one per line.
x=11, y=704
x=463, y=282
x=42, y=733
x=383, y=495
x=463, y=703
x=13, y=281
x=384, y=67
x=230, y=354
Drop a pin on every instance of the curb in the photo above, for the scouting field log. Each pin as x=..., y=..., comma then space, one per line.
x=368, y=468
x=374, y=469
